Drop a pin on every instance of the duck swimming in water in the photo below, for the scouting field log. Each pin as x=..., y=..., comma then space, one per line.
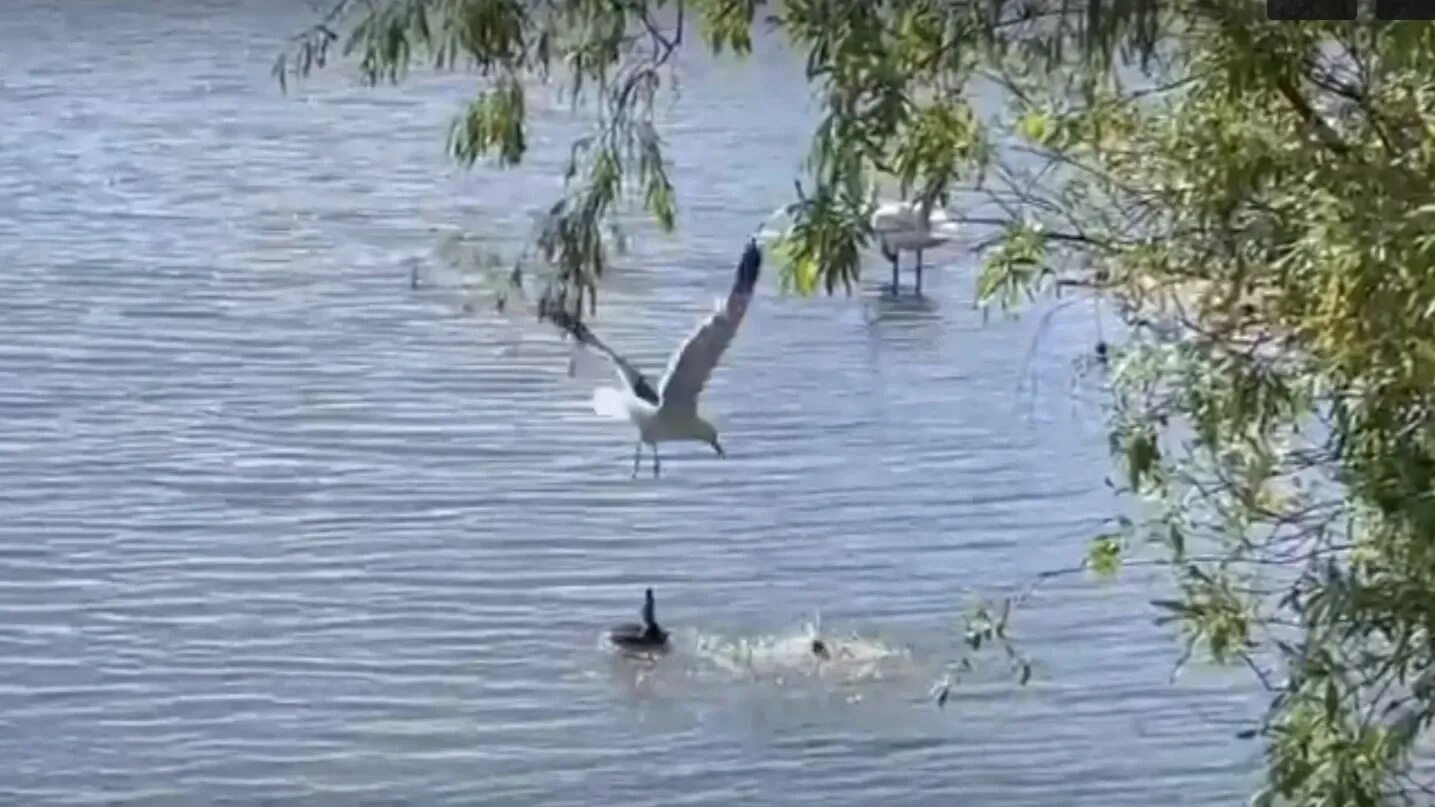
x=647, y=636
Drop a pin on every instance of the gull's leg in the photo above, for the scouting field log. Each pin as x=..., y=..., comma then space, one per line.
x=637, y=457
x=919, y=273
x=895, y=257
x=657, y=462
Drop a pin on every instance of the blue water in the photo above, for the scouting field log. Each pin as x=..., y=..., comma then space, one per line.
x=276, y=527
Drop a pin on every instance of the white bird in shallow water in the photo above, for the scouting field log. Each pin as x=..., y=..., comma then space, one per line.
x=899, y=226
x=902, y=226
x=670, y=412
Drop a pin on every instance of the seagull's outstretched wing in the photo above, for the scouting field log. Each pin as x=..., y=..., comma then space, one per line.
x=692, y=363
x=629, y=374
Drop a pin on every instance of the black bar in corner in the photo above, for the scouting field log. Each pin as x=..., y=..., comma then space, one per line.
x=1404, y=10
x=1311, y=9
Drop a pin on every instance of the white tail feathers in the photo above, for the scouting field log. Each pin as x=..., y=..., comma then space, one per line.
x=609, y=403
x=947, y=229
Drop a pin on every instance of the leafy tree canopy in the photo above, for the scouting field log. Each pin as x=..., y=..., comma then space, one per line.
x=1256, y=198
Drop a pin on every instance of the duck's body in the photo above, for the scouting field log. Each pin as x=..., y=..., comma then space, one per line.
x=647, y=636
x=632, y=636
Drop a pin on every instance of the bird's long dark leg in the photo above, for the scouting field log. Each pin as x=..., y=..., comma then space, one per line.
x=637, y=458
x=895, y=257
x=919, y=273
x=657, y=461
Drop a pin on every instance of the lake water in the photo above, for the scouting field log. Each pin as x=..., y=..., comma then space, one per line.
x=276, y=527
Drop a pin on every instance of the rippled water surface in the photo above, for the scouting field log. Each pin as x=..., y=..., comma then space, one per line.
x=275, y=526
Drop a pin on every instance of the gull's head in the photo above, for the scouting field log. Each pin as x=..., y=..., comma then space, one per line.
x=707, y=433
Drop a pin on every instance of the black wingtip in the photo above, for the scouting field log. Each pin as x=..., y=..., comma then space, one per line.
x=748, y=268
x=569, y=323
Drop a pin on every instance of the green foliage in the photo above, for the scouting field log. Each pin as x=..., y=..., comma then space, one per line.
x=987, y=627
x=610, y=56
x=1275, y=404
x=1014, y=266
x=494, y=122
x=727, y=24
x=1103, y=555
x=1256, y=199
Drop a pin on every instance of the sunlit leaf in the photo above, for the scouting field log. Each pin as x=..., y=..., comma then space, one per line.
x=1103, y=556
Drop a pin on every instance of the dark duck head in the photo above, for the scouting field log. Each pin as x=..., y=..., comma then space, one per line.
x=647, y=636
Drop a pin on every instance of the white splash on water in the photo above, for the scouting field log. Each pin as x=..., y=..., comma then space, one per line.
x=847, y=658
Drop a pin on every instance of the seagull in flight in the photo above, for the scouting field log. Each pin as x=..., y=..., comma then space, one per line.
x=669, y=412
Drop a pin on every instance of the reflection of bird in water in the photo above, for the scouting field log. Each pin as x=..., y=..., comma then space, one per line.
x=911, y=226
x=647, y=636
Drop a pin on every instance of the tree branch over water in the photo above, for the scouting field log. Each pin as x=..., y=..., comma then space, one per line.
x=610, y=58
x=1255, y=199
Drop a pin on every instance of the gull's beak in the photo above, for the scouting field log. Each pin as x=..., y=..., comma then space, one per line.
x=718, y=448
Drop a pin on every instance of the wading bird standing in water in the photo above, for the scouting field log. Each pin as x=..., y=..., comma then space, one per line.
x=670, y=412
x=899, y=225
x=911, y=227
